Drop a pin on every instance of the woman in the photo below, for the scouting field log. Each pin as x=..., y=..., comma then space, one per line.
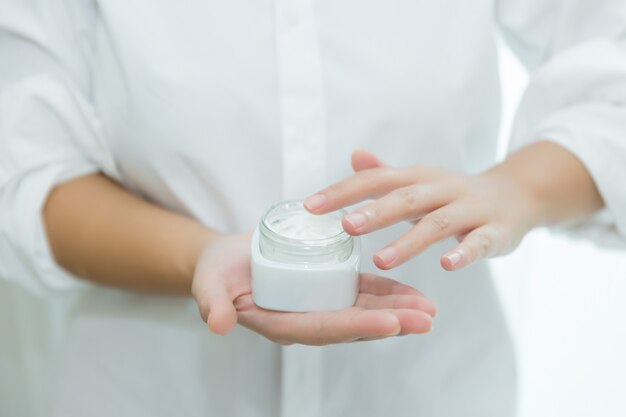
x=152, y=135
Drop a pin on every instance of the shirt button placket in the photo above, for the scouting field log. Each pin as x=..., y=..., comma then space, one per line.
x=301, y=98
x=304, y=169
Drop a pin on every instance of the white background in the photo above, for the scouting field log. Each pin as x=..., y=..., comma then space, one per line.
x=565, y=302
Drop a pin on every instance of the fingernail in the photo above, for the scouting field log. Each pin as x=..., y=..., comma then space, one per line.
x=315, y=201
x=356, y=220
x=387, y=255
x=454, y=258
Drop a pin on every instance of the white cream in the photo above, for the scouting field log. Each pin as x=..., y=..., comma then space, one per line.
x=305, y=226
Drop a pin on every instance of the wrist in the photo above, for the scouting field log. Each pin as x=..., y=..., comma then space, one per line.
x=524, y=191
x=198, y=238
x=555, y=185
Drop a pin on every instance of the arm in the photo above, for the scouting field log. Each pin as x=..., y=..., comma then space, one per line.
x=101, y=232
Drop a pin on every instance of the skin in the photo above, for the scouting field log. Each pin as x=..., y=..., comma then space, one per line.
x=541, y=185
x=104, y=234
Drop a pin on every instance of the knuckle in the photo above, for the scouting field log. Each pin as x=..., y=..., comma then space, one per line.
x=409, y=246
x=440, y=221
x=508, y=242
x=374, y=215
x=503, y=239
x=409, y=198
x=483, y=242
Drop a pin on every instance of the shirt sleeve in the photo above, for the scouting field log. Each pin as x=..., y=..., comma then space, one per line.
x=575, y=52
x=49, y=132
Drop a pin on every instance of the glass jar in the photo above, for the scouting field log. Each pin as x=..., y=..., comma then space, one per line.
x=290, y=234
x=303, y=262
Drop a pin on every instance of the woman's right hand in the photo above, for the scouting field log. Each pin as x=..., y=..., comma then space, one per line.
x=221, y=287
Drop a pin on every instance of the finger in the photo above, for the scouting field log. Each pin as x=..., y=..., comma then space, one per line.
x=217, y=308
x=369, y=183
x=406, y=203
x=442, y=223
x=377, y=285
x=362, y=160
x=481, y=243
x=413, y=321
x=411, y=302
x=322, y=328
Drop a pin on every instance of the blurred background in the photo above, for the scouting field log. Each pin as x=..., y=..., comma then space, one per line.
x=563, y=300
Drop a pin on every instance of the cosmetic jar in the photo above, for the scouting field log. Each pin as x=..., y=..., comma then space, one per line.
x=303, y=262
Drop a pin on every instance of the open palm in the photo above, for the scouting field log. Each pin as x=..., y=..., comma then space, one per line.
x=383, y=308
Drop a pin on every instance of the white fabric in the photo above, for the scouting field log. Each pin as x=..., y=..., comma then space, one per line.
x=218, y=110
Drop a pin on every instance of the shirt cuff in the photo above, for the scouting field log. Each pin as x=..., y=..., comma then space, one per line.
x=27, y=259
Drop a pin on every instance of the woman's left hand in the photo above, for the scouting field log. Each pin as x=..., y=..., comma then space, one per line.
x=488, y=213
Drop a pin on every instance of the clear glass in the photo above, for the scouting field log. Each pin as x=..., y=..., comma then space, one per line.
x=321, y=251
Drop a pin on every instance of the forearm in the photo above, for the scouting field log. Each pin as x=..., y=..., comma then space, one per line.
x=557, y=183
x=102, y=233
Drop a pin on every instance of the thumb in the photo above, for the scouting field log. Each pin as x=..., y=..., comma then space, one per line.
x=221, y=316
x=362, y=160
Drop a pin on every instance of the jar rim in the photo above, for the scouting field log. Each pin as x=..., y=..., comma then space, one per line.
x=267, y=228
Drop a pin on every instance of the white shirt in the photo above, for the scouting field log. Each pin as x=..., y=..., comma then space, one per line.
x=219, y=109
